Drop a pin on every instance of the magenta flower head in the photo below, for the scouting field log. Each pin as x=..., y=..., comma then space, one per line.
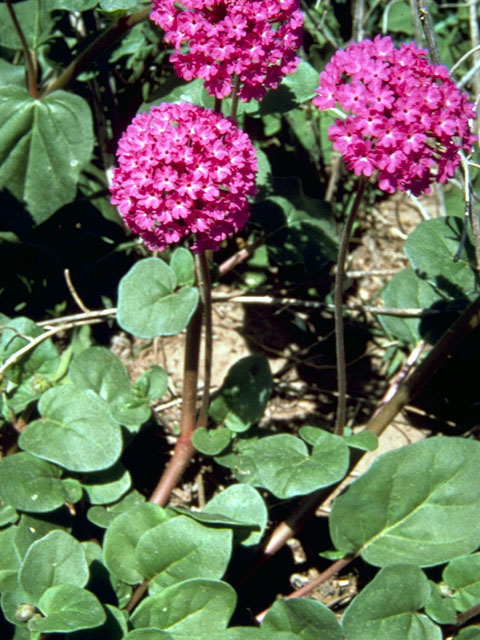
x=255, y=40
x=403, y=117
x=184, y=171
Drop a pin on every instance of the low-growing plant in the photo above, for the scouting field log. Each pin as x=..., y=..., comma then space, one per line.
x=89, y=548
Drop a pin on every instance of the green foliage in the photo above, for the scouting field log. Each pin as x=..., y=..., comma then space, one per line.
x=379, y=519
x=148, y=303
x=84, y=554
x=44, y=146
x=376, y=612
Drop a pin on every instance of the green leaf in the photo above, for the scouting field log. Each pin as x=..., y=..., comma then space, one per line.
x=148, y=634
x=117, y=5
x=30, y=484
x=104, y=487
x=402, y=508
x=71, y=5
x=299, y=230
x=440, y=609
x=211, y=442
x=251, y=633
x=122, y=538
x=398, y=16
x=244, y=394
x=295, y=88
x=53, y=560
x=114, y=627
x=189, y=550
x=9, y=557
x=183, y=265
x=66, y=608
x=10, y=74
x=307, y=619
x=32, y=528
x=100, y=370
x=406, y=290
x=148, y=305
x=431, y=248
x=387, y=607
x=42, y=360
x=463, y=577
x=469, y=633
x=242, y=503
x=7, y=515
x=364, y=440
x=192, y=92
x=44, y=145
x=286, y=468
x=192, y=608
x=76, y=431
x=152, y=384
x=103, y=517
x=35, y=22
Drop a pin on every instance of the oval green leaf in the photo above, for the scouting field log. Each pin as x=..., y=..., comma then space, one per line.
x=30, y=484
x=387, y=607
x=55, y=559
x=402, y=508
x=307, y=619
x=241, y=503
x=76, y=431
x=192, y=608
x=189, y=550
x=67, y=608
x=149, y=306
x=122, y=537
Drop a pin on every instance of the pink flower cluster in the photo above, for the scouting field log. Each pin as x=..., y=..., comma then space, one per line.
x=183, y=170
x=408, y=120
x=255, y=40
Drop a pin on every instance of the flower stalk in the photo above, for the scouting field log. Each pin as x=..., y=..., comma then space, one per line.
x=338, y=301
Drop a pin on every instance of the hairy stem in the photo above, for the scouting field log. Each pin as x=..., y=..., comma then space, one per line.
x=236, y=87
x=204, y=284
x=429, y=30
x=98, y=46
x=31, y=72
x=338, y=300
x=184, y=450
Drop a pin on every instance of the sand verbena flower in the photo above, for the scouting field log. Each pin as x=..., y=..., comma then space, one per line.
x=403, y=117
x=255, y=40
x=184, y=171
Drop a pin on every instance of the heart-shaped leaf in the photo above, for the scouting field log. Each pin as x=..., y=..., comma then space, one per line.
x=148, y=303
x=76, y=431
x=67, y=608
x=44, y=145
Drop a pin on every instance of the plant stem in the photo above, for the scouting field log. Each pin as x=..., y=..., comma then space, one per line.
x=236, y=87
x=31, y=73
x=429, y=30
x=204, y=284
x=98, y=46
x=184, y=450
x=338, y=300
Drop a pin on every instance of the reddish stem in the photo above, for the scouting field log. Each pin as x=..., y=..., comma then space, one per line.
x=184, y=450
